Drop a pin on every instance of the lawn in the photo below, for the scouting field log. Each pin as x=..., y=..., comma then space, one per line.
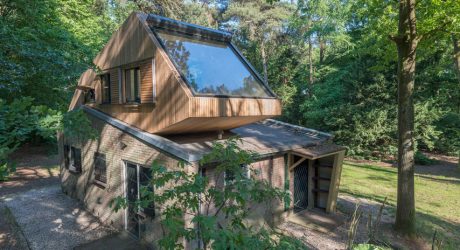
x=437, y=195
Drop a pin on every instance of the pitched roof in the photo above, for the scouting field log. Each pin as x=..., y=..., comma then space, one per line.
x=265, y=137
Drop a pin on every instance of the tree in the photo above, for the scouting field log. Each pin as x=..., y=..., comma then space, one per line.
x=260, y=22
x=216, y=210
x=406, y=42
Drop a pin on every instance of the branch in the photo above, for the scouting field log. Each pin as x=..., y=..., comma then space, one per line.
x=432, y=32
x=396, y=39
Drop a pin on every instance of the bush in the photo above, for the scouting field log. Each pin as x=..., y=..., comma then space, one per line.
x=422, y=159
x=21, y=121
x=181, y=192
x=369, y=247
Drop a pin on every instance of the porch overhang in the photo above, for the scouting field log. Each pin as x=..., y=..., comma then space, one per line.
x=323, y=165
x=313, y=153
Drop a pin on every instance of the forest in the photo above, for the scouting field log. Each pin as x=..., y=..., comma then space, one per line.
x=332, y=62
x=382, y=76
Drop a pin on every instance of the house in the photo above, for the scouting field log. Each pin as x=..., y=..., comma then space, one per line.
x=166, y=90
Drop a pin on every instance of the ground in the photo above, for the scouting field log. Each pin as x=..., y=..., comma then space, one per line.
x=437, y=189
x=34, y=214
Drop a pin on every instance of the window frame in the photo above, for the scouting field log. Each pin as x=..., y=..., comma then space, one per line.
x=144, y=212
x=245, y=168
x=106, y=77
x=137, y=99
x=70, y=157
x=238, y=54
x=89, y=96
x=98, y=158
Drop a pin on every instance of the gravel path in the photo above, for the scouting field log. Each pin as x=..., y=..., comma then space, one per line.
x=51, y=220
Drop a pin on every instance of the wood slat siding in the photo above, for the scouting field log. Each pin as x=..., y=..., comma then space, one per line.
x=86, y=79
x=146, y=82
x=114, y=91
x=175, y=110
x=130, y=43
x=226, y=107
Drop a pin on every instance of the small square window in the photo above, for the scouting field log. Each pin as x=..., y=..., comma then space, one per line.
x=90, y=97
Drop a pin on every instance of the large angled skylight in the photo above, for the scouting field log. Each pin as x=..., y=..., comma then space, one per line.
x=211, y=67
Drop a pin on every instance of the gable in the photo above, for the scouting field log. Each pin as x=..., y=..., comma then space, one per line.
x=129, y=44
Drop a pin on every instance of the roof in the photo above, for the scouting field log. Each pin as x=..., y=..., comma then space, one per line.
x=318, y=151
x=155, y=21
x=266, y=137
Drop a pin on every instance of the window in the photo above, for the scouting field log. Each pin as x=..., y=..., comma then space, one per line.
x=229, y=176
x=212, y=67
x=132, y=85
x=66, y=156
x=145, y=178
x=72, y=159
x=90, y=97
x=100, y=168
x=105, y=88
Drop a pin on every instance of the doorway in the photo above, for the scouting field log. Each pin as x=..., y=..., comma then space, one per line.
x=301, y=186
x=132, y=222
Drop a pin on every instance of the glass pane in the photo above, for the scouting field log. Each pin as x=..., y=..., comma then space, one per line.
x=211, y=67
x=105, y=88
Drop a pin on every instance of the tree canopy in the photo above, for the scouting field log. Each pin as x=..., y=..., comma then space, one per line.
x=331, y=62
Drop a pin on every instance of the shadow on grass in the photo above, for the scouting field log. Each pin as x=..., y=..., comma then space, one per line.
x=426, y=224
x=375, y=168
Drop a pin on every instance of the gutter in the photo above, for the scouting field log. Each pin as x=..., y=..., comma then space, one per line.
x=159, y=142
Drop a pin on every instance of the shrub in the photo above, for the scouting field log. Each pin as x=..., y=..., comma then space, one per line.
x=422, y=159
x=181, y=193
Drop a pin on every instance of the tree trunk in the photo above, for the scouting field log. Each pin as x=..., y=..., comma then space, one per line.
x=322, y=49
x=264, y=60
x=406, y=42
x=310, y=62
x=456, y=42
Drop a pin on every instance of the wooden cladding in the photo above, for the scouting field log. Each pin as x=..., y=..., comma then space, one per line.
x=146, y=82
x=114, y=86
x=176, y=110
x=226, y=107
x=131, y=43
x=167, y=104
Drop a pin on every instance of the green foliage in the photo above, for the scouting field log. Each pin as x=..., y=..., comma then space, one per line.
x=22, y=121
x=421, y=159
x=369, y=247
x=6, y=167
x=218, y=211
x=77, y=126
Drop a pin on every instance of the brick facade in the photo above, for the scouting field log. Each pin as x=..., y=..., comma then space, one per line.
x=120, y=147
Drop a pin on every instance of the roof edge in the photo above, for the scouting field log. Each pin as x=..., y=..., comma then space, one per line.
x=151, y=139
x=187, y=28
x=308, y=131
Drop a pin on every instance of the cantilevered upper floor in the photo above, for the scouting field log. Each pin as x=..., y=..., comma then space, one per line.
x=167, y=77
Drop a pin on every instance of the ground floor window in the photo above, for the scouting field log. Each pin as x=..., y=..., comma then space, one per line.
x=229, y=176
x=72, y=158
x=100, y=168
x=137, y=181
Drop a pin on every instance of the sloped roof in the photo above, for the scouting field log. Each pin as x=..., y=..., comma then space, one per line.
x=265, y=137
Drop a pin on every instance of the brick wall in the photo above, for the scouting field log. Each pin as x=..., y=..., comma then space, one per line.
x=271, y=169
x=96, y=198
x=119, y=147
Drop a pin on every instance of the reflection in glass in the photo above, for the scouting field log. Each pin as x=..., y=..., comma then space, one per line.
x=211, y=67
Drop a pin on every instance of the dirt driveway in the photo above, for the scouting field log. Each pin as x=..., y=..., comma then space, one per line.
x=35, y=214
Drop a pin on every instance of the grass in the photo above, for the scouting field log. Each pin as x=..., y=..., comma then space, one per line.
x=437, y=198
